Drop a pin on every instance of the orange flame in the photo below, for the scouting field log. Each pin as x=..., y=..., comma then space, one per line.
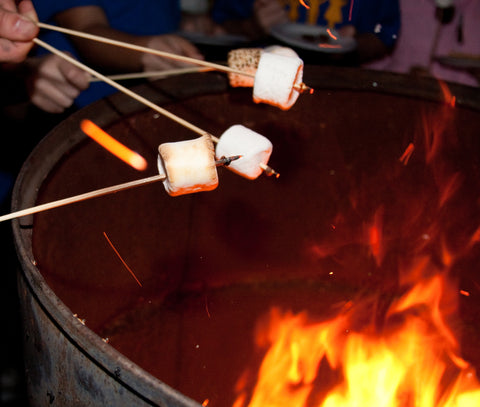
x=405, y=366
x=405, y=157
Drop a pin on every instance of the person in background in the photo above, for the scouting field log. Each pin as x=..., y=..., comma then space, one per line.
x=17, y=30
x=150, y=24
x=373, y=23
x=433, y=29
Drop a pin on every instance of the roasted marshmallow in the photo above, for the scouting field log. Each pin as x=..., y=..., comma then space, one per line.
x=189, y=166
x=245, y=60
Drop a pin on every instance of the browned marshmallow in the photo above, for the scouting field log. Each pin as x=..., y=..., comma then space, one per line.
x=245, y=60
x=189, y=166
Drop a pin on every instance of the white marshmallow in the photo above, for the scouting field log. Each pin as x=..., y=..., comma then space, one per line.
x=254, y=149
x=188, y=165
x=275, y=80
x=279, y=50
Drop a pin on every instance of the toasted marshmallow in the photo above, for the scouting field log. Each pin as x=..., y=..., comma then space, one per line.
x=275, y=80
x=189, y=166
x=254, y=149
x=245, y=60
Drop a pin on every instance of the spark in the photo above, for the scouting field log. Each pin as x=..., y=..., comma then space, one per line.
x=329, y=32
x=205, y=402
x=206, y=307
x=121, y=259
x=465, y=293
x=302, y=2
x=113, y=146
x=350, y=11
x=405, y=157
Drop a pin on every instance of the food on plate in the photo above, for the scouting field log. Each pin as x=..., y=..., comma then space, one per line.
x=254, y=149
x=275, y=80
x=189, y=166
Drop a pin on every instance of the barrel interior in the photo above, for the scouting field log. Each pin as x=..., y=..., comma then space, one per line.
x=211, y=264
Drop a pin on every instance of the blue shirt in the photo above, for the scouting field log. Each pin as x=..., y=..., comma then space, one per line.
x=380, y=17
x=148, y=17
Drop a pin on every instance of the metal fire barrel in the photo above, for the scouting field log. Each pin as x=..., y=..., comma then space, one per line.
x=337, y=152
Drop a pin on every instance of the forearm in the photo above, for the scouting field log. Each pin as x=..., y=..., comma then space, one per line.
x=109, y=58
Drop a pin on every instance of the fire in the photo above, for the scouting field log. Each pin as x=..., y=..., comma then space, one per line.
x=399, y=350
x=414, y=361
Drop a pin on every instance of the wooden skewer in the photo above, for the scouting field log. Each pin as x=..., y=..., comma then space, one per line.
x=132, y=94
x=123, y=89
x=154, y=74
x=82, y=197
x=301, y=87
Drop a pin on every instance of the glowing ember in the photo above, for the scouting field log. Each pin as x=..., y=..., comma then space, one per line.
x=116, y=148
x=304, y=4
x=329, y=32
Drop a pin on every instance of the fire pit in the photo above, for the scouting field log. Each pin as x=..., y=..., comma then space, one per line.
x=378, y=191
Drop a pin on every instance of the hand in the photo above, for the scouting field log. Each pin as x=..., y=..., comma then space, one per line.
x=169, y=43
x=17, y=30
x=55, y=83
x=269, y=13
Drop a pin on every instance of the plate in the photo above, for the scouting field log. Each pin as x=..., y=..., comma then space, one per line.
x=460, y=61
x=313, y=38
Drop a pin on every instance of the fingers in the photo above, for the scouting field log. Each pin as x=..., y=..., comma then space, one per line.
x=56, y=84
x=25, y=7
x=16, y=30
x=77, y=78
x=184, y=47
x=172, y=44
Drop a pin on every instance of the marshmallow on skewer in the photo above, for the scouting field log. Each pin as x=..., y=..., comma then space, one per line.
x=245, y=60
x=280, y=50
x=254, y=149
x=189, y=166
x=275, y=80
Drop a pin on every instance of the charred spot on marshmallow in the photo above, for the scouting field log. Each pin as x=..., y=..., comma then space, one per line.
x=275, y=80
x=254, y=149
x=245, y=60
x=189, y=166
